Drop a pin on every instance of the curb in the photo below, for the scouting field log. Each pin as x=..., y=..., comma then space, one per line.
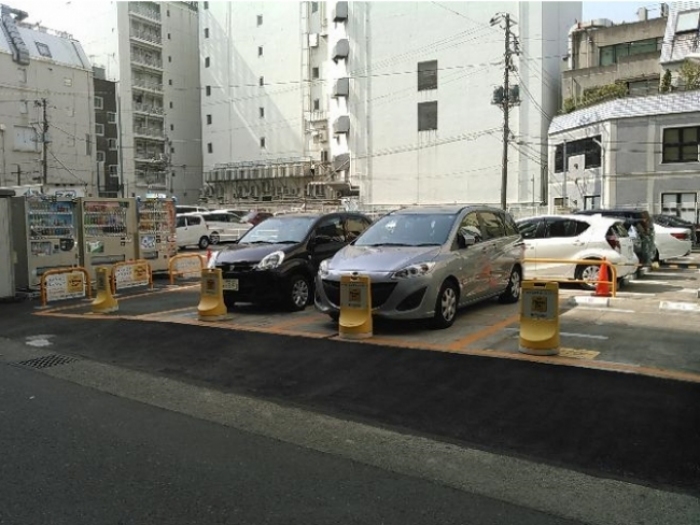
x=589, y=300
x=680, y=306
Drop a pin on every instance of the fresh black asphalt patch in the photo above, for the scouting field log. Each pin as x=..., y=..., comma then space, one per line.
x=623, y=426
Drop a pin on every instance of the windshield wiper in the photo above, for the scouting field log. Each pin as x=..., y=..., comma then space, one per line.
x=257, y=242
x=388, y=244
x=427, y=244
x=288, y=241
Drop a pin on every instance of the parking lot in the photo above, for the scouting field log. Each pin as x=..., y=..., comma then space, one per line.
x=650, y=328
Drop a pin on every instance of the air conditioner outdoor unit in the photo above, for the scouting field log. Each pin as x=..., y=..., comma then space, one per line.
x=322, y=136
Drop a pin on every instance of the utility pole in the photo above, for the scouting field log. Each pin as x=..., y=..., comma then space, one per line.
x=44, y=140
x=506, y=96
x=19, y=174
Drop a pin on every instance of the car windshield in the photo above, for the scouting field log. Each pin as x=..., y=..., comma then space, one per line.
x=409, y=229
x=279, y=230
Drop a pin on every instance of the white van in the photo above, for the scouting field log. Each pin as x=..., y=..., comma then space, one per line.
x=224, y=226
x=192, y=230
x=186, y=208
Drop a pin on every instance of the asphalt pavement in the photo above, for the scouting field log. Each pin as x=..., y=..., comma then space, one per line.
x=75, y=456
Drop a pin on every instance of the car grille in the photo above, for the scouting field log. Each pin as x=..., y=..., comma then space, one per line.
x=380, y=292
x=237, y=267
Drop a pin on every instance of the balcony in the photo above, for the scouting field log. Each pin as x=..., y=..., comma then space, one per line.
x=146, y=61
x=148, y=109
x=148, y=85
x=149, y=133
x=150, y=14
x=150, y=156
x=146, y=37
x=317, y=117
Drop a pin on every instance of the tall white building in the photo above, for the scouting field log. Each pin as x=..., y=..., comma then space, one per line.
x=45, y=78
x=387, y=100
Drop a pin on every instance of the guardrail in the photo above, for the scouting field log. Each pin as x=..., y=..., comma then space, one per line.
x=188, y=269
x=130, y=274
x=576, y=262
x=55, y=288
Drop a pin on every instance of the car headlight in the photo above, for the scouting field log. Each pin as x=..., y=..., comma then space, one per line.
x=211, y=264
x=323, y=267
x=415, y=270
x=271, y=261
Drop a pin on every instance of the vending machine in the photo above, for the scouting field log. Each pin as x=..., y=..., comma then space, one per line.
x=157, y=229
x=44, y=236
x=108, y=232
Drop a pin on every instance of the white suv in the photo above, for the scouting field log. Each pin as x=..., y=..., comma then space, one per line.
x=225, y=226
x=192, y=230
x=576, y=237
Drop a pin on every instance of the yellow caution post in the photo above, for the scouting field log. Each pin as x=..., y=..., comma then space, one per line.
x=539, y=318
x=104, y=302
x=211, y=303
x=355, y=320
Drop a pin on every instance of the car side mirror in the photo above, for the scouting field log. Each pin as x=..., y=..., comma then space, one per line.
x=464, y=240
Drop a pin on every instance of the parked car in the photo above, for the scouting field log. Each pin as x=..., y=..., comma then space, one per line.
x=185, y=208
x=641, y=227
x=276, y=261
x=256, y=217
x=425, y=263
x=577, y=237
x=672, y=221
x=192, y=230
x=224, y=226
x=672, y=242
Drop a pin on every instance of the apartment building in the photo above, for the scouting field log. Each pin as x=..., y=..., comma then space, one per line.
x=386, y=101
x=106, y=135
x=47, y=122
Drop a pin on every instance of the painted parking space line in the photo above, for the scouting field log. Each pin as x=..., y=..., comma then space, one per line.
x=600, y=309
x=483, y=333
x=572, y=334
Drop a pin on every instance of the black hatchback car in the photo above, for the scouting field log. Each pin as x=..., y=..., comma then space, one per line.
x=277, y=260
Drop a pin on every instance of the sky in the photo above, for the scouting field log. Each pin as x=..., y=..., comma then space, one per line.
x=619, y=10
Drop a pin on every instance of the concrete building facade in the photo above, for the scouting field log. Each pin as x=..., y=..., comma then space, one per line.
x=106, y=135
x=45, y=77
x=388, y=101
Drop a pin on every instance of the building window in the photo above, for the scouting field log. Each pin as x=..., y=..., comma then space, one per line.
x=315, y=72
x=167, y=13
x=170, y=105
x=113, y=170
x=206, y=32
x=101, y=156
x=170, y=59
x=262, y=81
x=206, y=5
x=172, y=127
x=612, y=54
x=314, y=7
x=112, y=144
x=208, y=91
x=169, y=36
x=591, y=202
x=427, y=116
x=99, y=103
x=427, y=75
x=208, y=120
x=260, y=51
x=260, y=19
x=170, y=81
x=589, y=148
x=317, y=104
x=206, y=62
x=640, y=88
x=99, y=130
x=210, y=147
x=261, y=112
x=22, y=74
x=172, y=149
x=88, y=144
x=687, y=22
x=43, y=50
x=680, y=145
x=262, y=142
x=23, y=107
x=111, y=117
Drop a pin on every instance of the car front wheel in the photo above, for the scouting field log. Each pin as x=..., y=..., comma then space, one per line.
x=203, y=243
x=512, y=292
x=446, y=306
x=298, y=292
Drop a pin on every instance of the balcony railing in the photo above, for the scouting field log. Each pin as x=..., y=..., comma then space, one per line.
x=147, y=108
x=148, y=36
x=146, y=12
x=147, y=84
x=147, y=61
x=149, y=132
x=146, y=155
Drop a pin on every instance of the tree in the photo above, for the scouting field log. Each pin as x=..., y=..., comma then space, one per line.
x=665, y=86
x=690, y=75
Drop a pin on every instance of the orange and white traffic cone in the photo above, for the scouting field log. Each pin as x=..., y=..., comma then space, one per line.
x=602, y=287
x=208, y=254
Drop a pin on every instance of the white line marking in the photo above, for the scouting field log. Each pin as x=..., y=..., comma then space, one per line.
x=684, y=307
x=571, y=334
x=614, y=310
x=662, y=274
x=689, y=290
x=635, y=294
x=649, y=281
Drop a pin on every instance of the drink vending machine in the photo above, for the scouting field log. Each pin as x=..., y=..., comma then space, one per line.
x=108, y=231
x=44, y=236
x=157, y=230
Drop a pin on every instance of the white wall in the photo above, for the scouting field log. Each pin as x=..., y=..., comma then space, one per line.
x=234, y=75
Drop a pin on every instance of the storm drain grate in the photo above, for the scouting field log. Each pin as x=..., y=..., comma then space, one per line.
x=47, y=361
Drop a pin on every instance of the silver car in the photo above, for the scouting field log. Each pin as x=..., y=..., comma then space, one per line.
x=428, y=262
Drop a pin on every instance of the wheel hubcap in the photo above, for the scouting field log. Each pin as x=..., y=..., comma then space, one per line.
x=214, y=239
x=448, y=304
x=515, y=285
x=300, y=293
x=590, y=273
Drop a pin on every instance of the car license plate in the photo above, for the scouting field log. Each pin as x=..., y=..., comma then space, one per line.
x=231, y=285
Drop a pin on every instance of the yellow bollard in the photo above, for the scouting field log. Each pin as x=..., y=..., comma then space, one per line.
x=104, y=302
x=211, y=303
x=355, y=320
x=539, y=318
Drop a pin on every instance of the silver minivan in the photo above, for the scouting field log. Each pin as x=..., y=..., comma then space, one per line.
x=425, y=263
